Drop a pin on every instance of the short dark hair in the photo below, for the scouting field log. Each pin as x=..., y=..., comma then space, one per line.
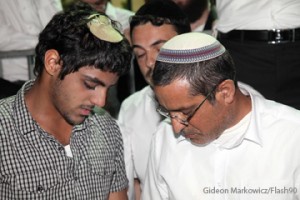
x=203, y=76
x=160, y=12
x=68, y=33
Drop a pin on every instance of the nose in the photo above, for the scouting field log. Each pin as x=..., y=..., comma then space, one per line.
x=150, y=60
x=98, y=98
x=177, y=126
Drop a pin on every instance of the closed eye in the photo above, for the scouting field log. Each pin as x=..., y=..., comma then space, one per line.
x=139, y=55
x=89, y=85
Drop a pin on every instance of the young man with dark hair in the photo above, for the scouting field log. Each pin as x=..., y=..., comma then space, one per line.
x=53, y=144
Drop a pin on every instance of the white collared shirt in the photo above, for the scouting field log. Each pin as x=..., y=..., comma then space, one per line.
x=138, y=121
x=257, y=15
x=262, y=162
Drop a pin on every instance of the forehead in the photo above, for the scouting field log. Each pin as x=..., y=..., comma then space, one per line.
x=175, y=95
x=147, y=33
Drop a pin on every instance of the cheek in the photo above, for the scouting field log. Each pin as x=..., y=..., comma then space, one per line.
x=216, y=123
x=69, y=94
x=207, y=123
x=202, y=119
x=203, y=126
x=146, y=71
x=142, y=66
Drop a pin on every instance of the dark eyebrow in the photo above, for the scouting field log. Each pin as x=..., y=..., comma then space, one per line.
x=94, y=80
x=158, y=42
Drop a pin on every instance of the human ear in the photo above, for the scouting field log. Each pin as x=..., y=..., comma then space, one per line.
x=52, y=62
x=226, y=91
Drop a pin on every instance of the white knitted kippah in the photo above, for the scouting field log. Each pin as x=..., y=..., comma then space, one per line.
x=189, y=48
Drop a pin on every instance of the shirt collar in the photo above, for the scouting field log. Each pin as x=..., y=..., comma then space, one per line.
x=23, y=120
x=252, y=133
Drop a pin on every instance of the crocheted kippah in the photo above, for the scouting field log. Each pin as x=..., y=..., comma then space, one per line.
x=189, y=48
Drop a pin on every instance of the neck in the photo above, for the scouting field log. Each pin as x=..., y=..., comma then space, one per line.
x=243, y=106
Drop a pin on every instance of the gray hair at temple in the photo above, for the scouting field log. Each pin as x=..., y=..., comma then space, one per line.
x=197, y=57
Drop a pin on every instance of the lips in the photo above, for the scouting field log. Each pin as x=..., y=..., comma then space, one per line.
x=85, y=111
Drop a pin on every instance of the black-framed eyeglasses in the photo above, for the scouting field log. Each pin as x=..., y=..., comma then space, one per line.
x=187, y=118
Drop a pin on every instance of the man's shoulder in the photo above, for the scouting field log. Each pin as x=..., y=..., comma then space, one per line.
x=6, y=105
x=6, y=113
x=165, y=130
x=139, y=111
x=271, y=109
x=138, y=98
x=274, y=121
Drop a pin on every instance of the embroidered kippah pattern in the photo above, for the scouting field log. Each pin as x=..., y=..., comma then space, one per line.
x=191, y=55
